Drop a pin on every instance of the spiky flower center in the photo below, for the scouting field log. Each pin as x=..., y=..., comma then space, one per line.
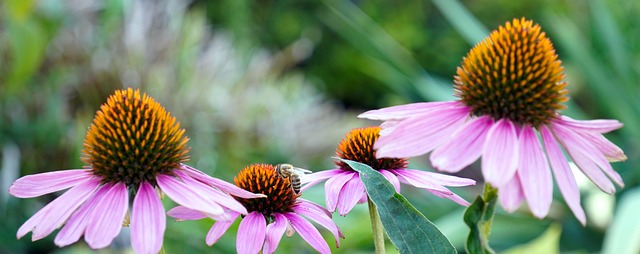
x=358, y=146
x=133, y=139
x=262, y=178
x=515, y=74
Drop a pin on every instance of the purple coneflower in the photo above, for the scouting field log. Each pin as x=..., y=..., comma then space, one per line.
x=133, y=146
x=344, y=188
x=510, y=88
x=270, y=217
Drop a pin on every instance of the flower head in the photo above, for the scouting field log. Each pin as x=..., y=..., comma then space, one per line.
x=511, y=90
x=133, y=145
x=344, y=189
x=268, y=218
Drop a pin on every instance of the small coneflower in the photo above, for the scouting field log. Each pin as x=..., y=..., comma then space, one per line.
x=344, y=189
x=270, y=217
x=510, y=89
x=132, y=146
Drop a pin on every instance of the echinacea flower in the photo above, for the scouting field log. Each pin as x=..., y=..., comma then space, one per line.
x=510, y=91
x=344, y=189
x=270, y=217
x=132, y=146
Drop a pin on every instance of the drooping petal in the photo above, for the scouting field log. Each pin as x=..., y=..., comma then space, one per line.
x=182, y=213
x=510, y=195
x=251, y=233
x=416, y=180
x=309, y=233
x=76, y=225
x=350, y=194
x=218, y=229
x=598, y=125
x=214, y=194
x=39, y=184
x=419, y=135
x=332, y=188
x=450, y=195
x=562, y=172
x=312, y=179
x=391, y=178
x=59, y=210
x=107, y=217
x=188, y=196
x=222, y=185
x=275, y=231
x=500, y=153
x=583, y=156
x=147, y=221
x=316, y=207
x=464, y=147
x=303, y=208
x=407, y=110
x=612, y=152
x=533, y=169
x=441, y=179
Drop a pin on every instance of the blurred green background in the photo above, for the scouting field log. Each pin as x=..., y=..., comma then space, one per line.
x=282, y=81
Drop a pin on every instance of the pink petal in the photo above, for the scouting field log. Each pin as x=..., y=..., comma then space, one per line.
x=182, y=213
x=584, y=156
x=421, y=179
x=464, y=147
x=440, y=179
x=75, y=227
x=309, y=233
x=147, y=220
x=214, y=194
x=218, y=229
x=107, y=217
x=407, y=110
x=314, y=206
x=222, y=185
x=500, y=153
x=58, y=211
x=275, y=231
x=39, y=184
x=421, y=134
x=391, y=178
x=189, y=196
x=511, y=195
x=417, y=180
x=565, y=179
x=251, y=233
x=612, y=152
x=320, y=218
x=600, y=125
x=333, y=186
x=534, y=170
x=450, y=195
x=312, y=179
x=350, y=195
x=388, y=126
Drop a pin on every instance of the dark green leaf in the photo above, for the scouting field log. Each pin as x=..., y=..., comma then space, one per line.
x=479, y=217
x=406, y=227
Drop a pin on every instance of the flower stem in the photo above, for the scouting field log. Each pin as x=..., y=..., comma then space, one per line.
x=479, y=217
x=376, y=226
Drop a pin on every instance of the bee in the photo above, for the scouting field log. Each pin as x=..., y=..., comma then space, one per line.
x=293, y=173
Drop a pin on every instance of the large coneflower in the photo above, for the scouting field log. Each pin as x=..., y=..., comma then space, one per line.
x=510, y=89
x=268, y=218
x=344, y=189
x=133, y=147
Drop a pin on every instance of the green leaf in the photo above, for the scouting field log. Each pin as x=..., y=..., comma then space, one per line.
x=623, y=235
x=406, y=227
x=462, y=20
x=479, y=217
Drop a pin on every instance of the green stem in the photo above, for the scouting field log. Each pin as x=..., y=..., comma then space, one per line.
x=479, y=217
x=376, y=226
